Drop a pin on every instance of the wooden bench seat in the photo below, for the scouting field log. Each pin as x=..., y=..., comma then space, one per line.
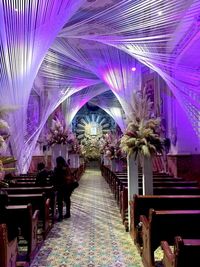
x=39, y=202
x=8, y=248
x=122, y=192
x=141, y=205
x=48, y=190
x=165, y=225
x=186, y=253
x=21, y=216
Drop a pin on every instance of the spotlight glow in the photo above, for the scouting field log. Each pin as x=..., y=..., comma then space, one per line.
x=133, y=68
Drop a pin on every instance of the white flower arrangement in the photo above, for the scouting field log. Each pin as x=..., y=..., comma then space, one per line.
x=142, y=135
x=4, y=132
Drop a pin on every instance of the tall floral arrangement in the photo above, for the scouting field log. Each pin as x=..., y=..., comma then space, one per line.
x=4, y=127
x=75, y=146
x=59, y=133
x=142, y=135
x=4, y=135
x=4, y=132
x=90, y=148
x=110, y=144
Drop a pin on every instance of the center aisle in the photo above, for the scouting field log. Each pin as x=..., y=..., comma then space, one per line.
x=94, y=235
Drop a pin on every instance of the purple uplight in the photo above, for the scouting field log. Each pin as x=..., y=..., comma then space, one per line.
x=133, y=68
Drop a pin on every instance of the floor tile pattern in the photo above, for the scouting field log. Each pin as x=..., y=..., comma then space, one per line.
x=94, y=235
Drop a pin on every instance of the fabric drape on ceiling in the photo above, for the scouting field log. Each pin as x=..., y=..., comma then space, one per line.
x=109, y=103
x=27, y=31
x=112, y=66
x=161, y=34
x=76, y=101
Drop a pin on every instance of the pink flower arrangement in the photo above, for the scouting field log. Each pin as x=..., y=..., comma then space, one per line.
x=110, y=144
x=59, y=134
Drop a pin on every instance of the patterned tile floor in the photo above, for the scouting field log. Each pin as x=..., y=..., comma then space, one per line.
x=94, y=235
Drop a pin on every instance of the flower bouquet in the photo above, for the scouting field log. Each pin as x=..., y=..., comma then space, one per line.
x=58, y=133
x=142, y=135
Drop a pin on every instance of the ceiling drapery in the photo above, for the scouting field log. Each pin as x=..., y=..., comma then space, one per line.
x=161, y=34
x=109, y=103
x=112, y=66
x=76, y=101
x=27, y=31
x=95, y=43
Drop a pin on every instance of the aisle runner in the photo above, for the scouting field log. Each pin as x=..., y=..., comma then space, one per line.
x=94, y=235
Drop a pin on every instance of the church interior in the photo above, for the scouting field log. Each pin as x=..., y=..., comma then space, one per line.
x=100, y=121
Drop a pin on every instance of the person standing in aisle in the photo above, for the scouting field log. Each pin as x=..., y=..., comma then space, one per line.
x=63, y=184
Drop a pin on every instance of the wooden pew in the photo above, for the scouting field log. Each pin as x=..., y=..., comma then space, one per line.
x=39, y=202
x=8, y=248
x=48, y=190
x=165, y=225
x=22, y=217
x=122, y=194
x=186, y=253
x=124, y=207
x=141, y=205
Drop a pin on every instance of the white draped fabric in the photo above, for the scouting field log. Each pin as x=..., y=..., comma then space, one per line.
x=27, y=31
x=109, y=103
x=161, y=34
x=96, y=43
x=76, y=101
x=111, y=65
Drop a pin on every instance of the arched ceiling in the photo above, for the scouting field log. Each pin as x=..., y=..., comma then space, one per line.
x=59, y=48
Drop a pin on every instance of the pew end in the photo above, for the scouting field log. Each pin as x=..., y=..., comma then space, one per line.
x=186, y=253
x=168, y=257
x=8, y=249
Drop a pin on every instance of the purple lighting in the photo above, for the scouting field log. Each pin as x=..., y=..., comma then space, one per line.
x=133, y=68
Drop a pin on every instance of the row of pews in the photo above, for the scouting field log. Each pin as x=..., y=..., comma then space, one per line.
x=169, y=219
x=28, y=217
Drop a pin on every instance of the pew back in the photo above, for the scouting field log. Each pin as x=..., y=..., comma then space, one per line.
x=186, y=253
x=165, y=225
x=141, y=205
x=8, y=249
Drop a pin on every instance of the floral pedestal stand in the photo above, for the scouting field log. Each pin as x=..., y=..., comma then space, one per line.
x=74, y=160
x=132, y=179
x=147, y=177
x=116, y=165
x=113, y=165
x=106, y=161
x=58, y=150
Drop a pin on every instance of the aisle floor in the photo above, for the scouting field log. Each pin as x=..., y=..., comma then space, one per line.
x=94, y=236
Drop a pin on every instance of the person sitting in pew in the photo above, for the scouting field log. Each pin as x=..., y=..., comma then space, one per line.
x=42, y=175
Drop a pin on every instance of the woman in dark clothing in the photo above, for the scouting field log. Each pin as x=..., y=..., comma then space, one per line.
x=62, y=182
